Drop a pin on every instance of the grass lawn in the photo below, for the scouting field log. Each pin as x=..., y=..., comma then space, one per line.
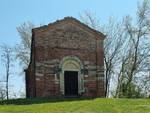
x=76, y=106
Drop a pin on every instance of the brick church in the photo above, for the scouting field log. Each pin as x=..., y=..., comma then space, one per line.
x=67, y=60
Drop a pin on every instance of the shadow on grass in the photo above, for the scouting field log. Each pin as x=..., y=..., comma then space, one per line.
x=40, y=101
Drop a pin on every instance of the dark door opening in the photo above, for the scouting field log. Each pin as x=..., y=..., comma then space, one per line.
x=71, y=83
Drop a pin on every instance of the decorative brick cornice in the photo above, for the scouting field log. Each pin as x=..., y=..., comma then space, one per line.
x=72, y=20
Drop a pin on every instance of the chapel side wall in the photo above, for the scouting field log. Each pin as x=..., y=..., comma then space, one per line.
x=30, y=86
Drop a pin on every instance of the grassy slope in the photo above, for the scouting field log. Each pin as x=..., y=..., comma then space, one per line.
x=77, y=106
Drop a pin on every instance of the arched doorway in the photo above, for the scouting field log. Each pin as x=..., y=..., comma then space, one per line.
x=71, y=77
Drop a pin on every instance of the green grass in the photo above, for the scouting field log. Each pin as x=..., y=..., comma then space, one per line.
x=75, y=106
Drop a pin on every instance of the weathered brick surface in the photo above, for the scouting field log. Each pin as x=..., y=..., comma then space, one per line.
x=51, y=45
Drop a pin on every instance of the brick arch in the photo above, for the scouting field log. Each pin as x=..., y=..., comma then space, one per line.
x=71, y=58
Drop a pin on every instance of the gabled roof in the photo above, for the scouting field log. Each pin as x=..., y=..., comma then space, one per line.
x=97, y=34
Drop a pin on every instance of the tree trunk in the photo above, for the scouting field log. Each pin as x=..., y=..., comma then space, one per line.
x=7, y=77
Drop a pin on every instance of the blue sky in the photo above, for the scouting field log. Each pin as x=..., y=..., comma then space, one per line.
x=15, y=12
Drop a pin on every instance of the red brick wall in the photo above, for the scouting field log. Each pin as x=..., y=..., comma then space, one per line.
x=30, y=86
x=52, y=45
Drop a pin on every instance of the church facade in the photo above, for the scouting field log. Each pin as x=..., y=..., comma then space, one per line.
x=67, y=59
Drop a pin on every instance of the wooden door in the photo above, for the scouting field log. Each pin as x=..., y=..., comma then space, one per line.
x=71, y=83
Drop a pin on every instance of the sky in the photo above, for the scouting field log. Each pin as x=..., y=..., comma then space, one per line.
x=15, y=12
